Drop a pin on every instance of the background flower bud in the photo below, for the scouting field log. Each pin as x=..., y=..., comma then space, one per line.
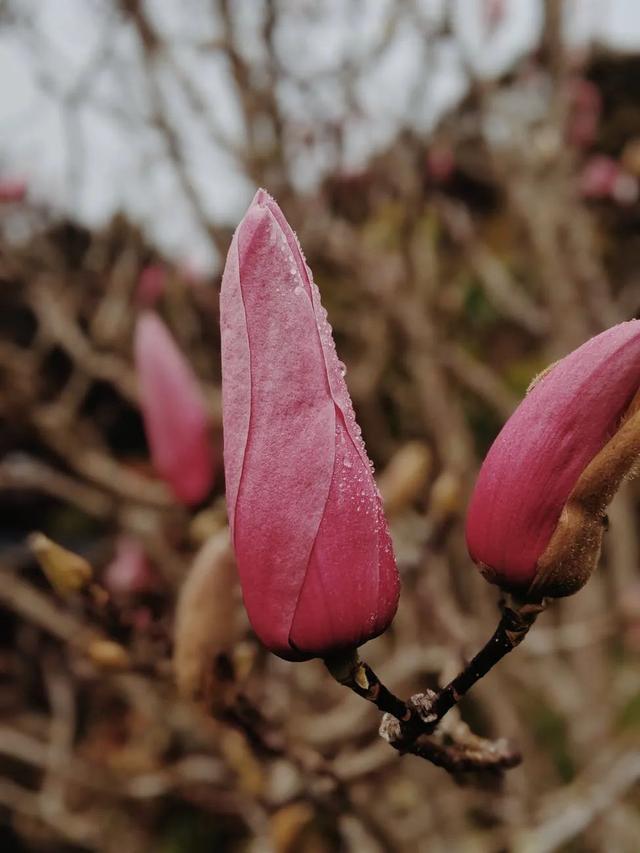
x=130, y=572
x=151, y=285
x=311, y=541
x=174, y=411
x=206, y=622
x=536, y=516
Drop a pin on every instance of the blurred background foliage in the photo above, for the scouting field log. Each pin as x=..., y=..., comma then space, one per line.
x=455, y=263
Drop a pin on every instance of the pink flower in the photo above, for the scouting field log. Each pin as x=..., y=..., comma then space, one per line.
x=151, y=285
x=602, y=177
x=441, y=163
x=12, y=190
x=535, y=519
x=585, y=108
x=129, y=572
x=310, y=538
x=174, y=411
x=493, y=13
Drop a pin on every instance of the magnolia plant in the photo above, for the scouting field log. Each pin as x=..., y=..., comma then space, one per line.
x=308, y=530
x=174, y=411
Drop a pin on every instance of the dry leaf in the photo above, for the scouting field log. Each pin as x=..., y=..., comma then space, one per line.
x=205, y=624
x=405, y=476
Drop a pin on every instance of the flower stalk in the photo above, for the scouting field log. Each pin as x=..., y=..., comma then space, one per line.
x=407, y=725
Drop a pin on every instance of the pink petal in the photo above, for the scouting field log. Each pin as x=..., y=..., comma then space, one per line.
x=151, y=285
x=12, y=190
x=316, y=568
x=536, y=460
x=129, y=572
x=174, y=411
x=585, y=108
x=441, y=163
x=598, y=177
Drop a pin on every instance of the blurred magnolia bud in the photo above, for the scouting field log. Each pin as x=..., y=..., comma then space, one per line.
x=440, y=162
x=129, y=572
x=175, y=414
x=602, y=177
x=206, y=617
x=585, y=107
x=493, y=13
x=311, y=541
x=536, y=517
x=66, y=572
x=151, y=285
x=405, y=476
x=12, y=190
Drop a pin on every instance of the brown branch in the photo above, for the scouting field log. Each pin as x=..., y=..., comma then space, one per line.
x=511, y=631
x=349, y=670
x=21, y=471
x=406, y=723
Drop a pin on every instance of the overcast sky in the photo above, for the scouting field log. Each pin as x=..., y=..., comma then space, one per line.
x=78, y=129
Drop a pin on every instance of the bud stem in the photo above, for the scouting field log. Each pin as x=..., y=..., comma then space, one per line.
x=424, y=712
x=347, y=669
x=514, y=624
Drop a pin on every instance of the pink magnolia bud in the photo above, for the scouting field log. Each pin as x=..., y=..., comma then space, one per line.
x=441, y=163
x=536, y=516
x=174, y=411
x=598, y=177
x=585, y=108
x=129, y=572
x=311, y=541
x=151, y=285
x=12, y=190
x=493, y=13
x=603, y=177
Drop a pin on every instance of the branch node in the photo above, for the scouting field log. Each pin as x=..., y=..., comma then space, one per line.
x=390, y=729
x=422, y=703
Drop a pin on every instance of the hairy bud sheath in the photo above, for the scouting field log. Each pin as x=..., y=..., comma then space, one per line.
x=311, y=541
x=175, y=416
x=536, y=517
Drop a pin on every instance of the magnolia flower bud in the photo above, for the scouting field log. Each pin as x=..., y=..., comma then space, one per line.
x=312, y=545
x=151, y=285
x=175, y=415
x=12, y=190
x=129, y=572
x=536, y=516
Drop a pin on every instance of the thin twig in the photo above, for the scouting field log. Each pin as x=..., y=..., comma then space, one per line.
x=405, y=723
x=513, y=627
